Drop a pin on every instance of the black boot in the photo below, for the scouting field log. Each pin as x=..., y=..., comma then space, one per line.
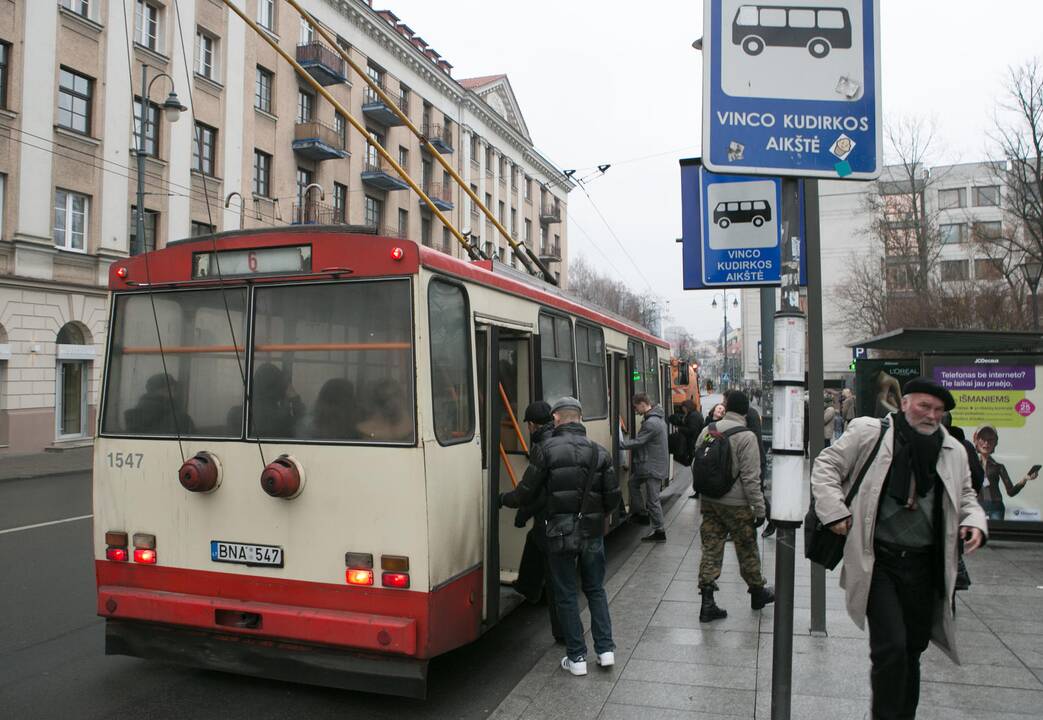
x=760, y=596
x=656, y=536
x=709, y=611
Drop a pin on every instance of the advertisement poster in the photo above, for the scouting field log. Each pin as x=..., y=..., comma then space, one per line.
x=878, y=385
x=998, y=406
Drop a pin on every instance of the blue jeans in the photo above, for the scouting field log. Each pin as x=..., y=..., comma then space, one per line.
x=591, y=561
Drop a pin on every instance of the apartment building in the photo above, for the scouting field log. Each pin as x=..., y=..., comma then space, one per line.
x=966, y=200
x=256, y=148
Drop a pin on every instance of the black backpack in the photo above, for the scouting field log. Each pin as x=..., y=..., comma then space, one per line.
x=712, y=467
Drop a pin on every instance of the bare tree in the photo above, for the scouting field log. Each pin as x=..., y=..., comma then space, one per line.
x=586, y=282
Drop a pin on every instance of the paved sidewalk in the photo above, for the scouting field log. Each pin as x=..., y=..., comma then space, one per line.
x=21, y=467
x=671, y=667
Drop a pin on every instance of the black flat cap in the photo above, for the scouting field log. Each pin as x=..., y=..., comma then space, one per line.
x=538, y=412
x=930, y=387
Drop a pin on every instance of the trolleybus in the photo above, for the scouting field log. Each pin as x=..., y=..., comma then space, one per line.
x=302, y=438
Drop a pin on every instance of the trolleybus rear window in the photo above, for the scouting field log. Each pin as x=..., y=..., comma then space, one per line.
x=333, y=362
x=200, y=390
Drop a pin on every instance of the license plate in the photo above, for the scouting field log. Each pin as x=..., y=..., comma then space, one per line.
x=246, y=553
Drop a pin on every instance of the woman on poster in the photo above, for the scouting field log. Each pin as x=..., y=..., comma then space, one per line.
x=986, y=438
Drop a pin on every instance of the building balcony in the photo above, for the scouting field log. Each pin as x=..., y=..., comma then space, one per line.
x=551, y=252
x=316, y=213
x=550, y=213
x=315, y=141
x=376, y=173
x=441, y=195
x=376, y=109
x=439, y=137
x=322, y=63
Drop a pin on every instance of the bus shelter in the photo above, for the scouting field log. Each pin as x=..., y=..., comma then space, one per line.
x=996, y=377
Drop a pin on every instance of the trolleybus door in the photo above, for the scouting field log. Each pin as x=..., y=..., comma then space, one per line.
x=619, y=411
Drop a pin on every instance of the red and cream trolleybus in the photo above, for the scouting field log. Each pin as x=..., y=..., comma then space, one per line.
x=302, y=437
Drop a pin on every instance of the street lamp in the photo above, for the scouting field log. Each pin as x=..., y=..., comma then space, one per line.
x=172, y=109
x=724, y=339
x=1032, y=270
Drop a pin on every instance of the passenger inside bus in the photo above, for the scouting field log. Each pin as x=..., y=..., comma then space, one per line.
x=388, y=420
x=161, y=410
x=335, y=414
x=275, y=407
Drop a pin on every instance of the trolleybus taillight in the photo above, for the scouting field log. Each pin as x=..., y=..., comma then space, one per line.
x=360, y=568
x=144, y=548
x=395, y=580
x=201, y=473
x=116, y=546
x=283, y=478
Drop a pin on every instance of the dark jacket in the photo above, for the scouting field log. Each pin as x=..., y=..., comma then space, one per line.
x=651, y=449
x=535, y=508
x=559, y=466
x=689, y=426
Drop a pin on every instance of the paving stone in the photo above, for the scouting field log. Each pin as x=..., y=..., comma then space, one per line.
x=700, y=654
x=983, y=698
x=817, y=707
x=617, y=711
x=691, y=698
x=568, y=698
x=679, y=673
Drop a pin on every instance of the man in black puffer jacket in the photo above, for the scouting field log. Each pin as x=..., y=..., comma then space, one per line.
x=560, y=466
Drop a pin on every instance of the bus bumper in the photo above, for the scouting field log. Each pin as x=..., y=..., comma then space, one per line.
x=268, y=658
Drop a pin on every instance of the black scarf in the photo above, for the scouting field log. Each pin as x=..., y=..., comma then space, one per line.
x=915, y=459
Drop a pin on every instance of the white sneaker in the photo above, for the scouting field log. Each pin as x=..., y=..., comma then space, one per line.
x=607, y=659
x=576, y=667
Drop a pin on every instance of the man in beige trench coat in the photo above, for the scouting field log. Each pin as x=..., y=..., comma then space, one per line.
x=902, y=527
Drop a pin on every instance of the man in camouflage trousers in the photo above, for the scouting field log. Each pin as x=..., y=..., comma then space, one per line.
x=738, y=512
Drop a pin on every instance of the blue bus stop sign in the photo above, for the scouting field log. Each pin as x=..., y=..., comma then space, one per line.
x=792, y=88
x=731, y=229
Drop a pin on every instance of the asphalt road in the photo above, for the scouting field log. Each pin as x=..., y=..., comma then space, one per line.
x=52, y=662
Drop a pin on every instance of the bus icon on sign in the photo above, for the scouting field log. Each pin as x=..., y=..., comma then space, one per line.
x=757, y=212
x=818, y=29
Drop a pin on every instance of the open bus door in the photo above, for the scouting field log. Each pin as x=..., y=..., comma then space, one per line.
x=619, y=411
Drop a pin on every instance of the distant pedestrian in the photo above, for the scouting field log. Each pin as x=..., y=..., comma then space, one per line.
x=828, y=413
x=577, y=476
x=899, y=570
x=847, y=406
x=650, y=466
x=534, y=578
x=738, y=512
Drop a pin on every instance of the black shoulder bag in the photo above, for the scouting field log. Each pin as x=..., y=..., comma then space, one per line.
x=822, y=545
x=564, y=534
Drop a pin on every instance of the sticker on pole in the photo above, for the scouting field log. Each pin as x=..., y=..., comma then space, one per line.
x=792, y=89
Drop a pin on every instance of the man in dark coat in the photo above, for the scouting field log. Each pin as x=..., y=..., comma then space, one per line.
x=577, y=476
x=689, y=423
x=534, y=571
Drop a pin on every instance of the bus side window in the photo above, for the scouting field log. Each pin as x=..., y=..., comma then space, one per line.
x=773, y=17
x=802, y=18
x=831, y=19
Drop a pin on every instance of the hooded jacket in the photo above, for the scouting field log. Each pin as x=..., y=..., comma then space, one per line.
x=559, y=466
x=651, y=451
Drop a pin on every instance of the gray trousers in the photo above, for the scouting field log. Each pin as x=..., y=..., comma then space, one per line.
x=649, y=502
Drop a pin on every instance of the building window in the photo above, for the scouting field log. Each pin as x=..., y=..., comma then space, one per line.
x=151, y=221
x=501, y=214
x=403, y=156
x=74, y=100
x=262, y=173
x=425, y=174
x=992, y=230
x=304, y=179
x=528, y=189
x=374, y=211
x=340, y=202
x=206, y=55
x=71, y=214
x=952, y=198
x=147, y=17
x=80, y=7
x=5, y=60
x=340, y=126
x=403, y=223
x=987, y=269
x=203, y=149
x=307, y=32
x=954, y=270
x=403, y=99
x=987, y=196
x=446, y=242
x=266, y=14
x=953, y=234
x=425, y=230
x=475, y=148
x=305, y=106
x=263, y=89
x=151, y=146
x=376, y=74
x=528, y=232
x=202, y=228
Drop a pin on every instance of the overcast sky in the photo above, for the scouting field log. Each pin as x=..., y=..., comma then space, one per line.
x=605, y=82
